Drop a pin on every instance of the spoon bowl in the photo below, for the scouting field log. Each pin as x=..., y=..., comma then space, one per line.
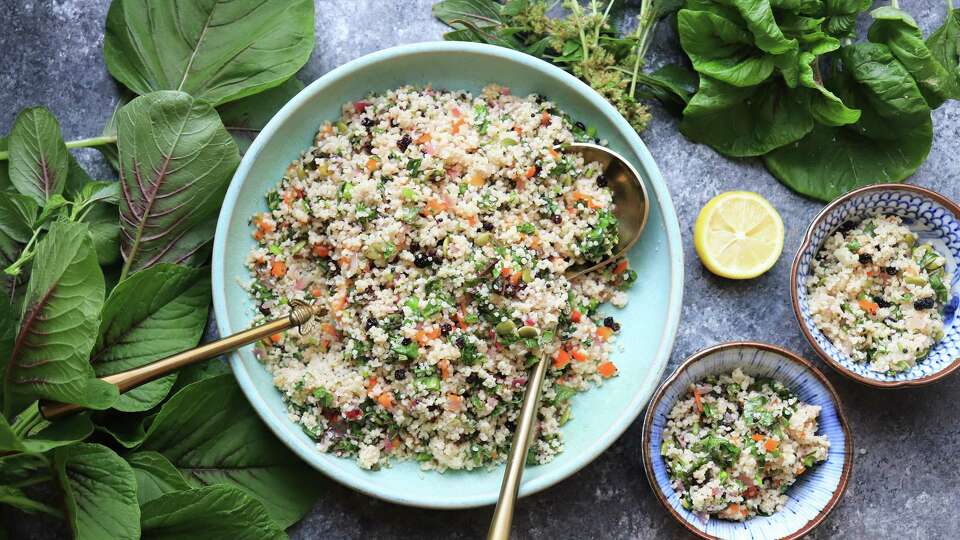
x=631, y=205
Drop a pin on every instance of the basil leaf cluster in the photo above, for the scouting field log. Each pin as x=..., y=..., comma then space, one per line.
x=783, y=80
x=100, y=277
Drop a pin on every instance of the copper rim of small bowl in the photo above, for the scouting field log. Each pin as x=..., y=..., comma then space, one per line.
x=794, y=270
x=696, y=357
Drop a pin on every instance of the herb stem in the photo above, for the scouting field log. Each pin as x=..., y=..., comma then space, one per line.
x=79, y=143
x=949, y=6
x=25, y=255
x=895, y=4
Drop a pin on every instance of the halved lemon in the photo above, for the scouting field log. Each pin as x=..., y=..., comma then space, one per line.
x=738, y=235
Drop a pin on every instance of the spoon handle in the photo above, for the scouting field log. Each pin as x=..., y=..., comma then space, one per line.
x=503, y=514
x=127, y=380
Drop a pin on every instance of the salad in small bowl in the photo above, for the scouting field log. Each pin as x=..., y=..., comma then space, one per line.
x=875, y=285
x=747, y=440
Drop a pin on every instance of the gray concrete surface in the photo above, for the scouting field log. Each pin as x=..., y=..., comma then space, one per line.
x=905, y=478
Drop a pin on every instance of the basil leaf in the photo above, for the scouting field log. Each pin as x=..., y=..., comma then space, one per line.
x=209, y=432
x=887, y=144
x=175, y=162
x=155, y=476
x=216, y=51
x=56, y=331
x=39, y=160
x=18, y=499
x=721, y=49
x=898, y=31
x=150, y=315
x=745, y=121
x=205, y=513
x=100, y=492
x=24, y=469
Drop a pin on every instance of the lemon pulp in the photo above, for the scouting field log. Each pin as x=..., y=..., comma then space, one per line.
x=738, y=235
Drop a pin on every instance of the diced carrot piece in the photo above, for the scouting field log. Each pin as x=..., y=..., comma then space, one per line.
x=423, y=138
x=436, y=205
x=329, y=330
x=771, y=445
x=505, y=272
x=434, y=332
x=316, y=292
x=575, y=316
x=454, y=402
x=545, y=118
x=444, y=366
x=455, y=112
x=477, y=180
x=372, y=164
x=472, y=219
x=276, y=338
x=561, y=359
x=531, y=170
x=604, y=332
x=278, y=269
x=287, y=198
x=518, y=130
x=756, y=437
x=385, y=400
x=515, y=278
x=455, y=128
x=258, y=235
x=869, y=307
x=579, y=355
x=320, y=250
x=421, y=337
x=697, y=400
x=607, y=370
x=460, y=321
x=553, y=153
x=621, y=267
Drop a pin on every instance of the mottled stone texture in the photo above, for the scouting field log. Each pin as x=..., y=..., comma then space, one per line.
x=905, y=478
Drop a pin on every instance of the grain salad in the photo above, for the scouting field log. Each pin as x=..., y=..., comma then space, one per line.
x=734, y=445
x=878, y=295
x=437, y=227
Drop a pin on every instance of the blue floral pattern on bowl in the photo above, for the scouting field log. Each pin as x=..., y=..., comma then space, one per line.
x=936, y=220
x=814, y=494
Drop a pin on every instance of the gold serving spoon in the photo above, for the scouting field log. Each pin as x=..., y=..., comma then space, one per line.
x=300, y=314
x=631, y=208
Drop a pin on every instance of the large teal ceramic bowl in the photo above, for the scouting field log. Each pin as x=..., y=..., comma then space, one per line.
x=649, y=321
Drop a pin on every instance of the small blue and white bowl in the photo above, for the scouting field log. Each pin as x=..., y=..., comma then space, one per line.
x=936, y=220
x=814, y=494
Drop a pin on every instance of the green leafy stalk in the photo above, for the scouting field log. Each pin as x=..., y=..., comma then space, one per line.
x=79, y=143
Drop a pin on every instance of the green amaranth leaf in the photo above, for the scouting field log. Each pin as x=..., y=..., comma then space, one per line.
x=246, y=117
x=175, y=162
x=745, y=121
x=128, y=430
x=100, y=492
x=4, y=167
x=720, y=49
x=9, y=441
x=825, y=106
x=887, y=144
x=66, y=431
x=479, y=12
x=58, y=324
x=218, y=51
x=18, y=499
x=152, y=314
x=155, y=476
x=209, y=432
x=39, y=161
x=18, y=213
x=208, y=512
x=24, y=469
x=759, y=18
x=898, y=31
x=944, y=43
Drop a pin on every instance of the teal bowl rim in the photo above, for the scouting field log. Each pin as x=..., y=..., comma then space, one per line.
x=659, y=189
